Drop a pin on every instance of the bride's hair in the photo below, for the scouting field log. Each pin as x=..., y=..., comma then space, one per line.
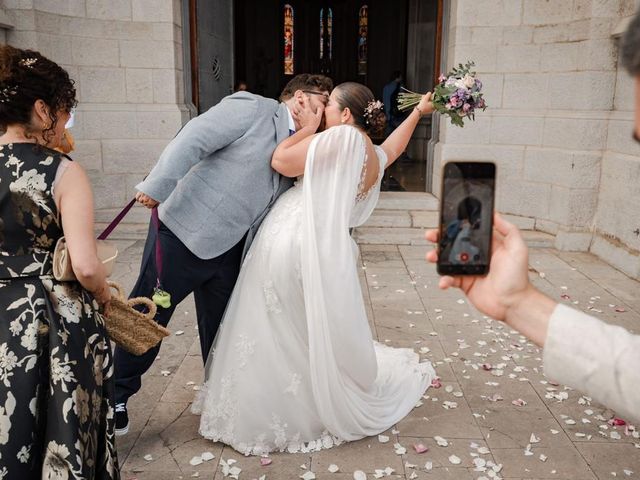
x=367, y=113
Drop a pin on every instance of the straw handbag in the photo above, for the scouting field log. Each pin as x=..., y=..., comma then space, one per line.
x=132, y=330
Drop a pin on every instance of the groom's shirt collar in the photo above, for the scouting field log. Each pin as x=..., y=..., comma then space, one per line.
x=292, y=125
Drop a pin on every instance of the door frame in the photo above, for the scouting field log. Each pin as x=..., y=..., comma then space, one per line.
x=191, y=60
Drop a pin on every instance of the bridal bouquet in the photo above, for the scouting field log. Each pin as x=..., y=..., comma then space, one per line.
x=457, y=94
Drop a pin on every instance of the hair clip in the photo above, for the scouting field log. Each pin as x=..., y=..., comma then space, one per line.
x=28, y=62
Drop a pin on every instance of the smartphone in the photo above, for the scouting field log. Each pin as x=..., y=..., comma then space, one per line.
x=466, y=218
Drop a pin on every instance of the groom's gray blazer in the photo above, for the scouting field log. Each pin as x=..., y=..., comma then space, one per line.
x=214, y=181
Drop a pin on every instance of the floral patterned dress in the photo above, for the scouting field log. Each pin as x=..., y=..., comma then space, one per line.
x=56, y=365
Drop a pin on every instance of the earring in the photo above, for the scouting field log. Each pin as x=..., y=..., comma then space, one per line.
x=45, y=126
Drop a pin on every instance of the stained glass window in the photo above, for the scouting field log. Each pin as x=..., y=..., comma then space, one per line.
x=288, y=39
x=363, y=33
x=326, y=38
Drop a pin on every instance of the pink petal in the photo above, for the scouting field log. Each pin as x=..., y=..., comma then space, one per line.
x=264, y=461
x=620, y=310
x=519, y=402
x=616, y=422
x=420, y=448
x=565, y=297
x=486, y=366
x=435, y=383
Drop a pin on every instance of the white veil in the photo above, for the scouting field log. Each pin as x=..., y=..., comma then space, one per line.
x=345, y=380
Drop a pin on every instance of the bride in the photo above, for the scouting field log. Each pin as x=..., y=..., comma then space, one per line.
x=295, y=367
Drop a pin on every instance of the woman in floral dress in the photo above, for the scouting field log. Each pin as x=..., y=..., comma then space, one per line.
x=56, y=369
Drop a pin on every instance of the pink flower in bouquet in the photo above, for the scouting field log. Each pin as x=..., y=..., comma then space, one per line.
x=466, y=107
x=455, y=101
x=442, y=78
x=448, y=106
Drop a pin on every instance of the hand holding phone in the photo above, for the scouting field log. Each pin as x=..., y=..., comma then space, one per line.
x=466, y=218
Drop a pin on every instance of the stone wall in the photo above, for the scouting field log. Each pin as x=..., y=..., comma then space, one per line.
x=126, y=59
x=559, y=119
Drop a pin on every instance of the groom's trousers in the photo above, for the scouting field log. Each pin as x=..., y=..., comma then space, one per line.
x=211, y=282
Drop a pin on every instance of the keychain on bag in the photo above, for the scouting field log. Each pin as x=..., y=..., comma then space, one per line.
x=160, y=297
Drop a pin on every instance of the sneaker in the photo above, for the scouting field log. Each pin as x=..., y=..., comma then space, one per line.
x=122, y=419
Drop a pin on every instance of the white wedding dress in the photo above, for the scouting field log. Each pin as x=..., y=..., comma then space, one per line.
x=294, y=367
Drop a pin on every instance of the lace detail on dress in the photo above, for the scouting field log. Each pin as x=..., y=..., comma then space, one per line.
x=245, y=349
x=362, y=195
x=271, y=298
x=294, y=385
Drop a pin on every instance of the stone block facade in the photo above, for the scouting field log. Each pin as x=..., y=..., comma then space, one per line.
x=126, y=59
x=559, y=120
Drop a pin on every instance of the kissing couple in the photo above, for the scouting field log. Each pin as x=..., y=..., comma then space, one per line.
x=293, y=366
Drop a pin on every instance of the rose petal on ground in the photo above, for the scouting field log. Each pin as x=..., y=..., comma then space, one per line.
x=264, y=461
x=483, y=451
x=435, y=383
x=420, y=448
x=383, y=438
x=333, y=468
x=454, y=460
x=148, y=457
x=519, y=402
x=400, y=450
x=195, y=461
x=207, y=456
x=428, y=466
x=616, y=422
x=534, y=439
x=442, y=442
x=359, y=475
x=309, y=476
x=179, y=332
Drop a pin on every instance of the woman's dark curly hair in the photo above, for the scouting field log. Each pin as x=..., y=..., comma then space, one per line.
x=27, y=76
x=357, y=98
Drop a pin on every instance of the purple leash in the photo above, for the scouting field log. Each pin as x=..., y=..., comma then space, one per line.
x=107, y=231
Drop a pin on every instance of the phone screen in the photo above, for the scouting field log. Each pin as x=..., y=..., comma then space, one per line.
x=466, y=218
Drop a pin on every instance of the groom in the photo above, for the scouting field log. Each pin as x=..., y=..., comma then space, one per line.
x=213, y=185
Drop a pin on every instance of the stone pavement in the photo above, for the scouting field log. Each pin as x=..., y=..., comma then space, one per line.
x=498, y=416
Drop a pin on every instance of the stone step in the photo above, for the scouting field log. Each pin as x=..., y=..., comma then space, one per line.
x=415, y=236
x=407, y=201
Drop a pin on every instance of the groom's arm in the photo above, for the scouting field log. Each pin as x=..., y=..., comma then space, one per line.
x=213, y=130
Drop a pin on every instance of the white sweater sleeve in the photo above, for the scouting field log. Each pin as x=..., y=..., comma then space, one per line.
x=599, y=359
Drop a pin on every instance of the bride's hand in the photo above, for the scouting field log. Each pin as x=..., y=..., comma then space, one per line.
x=306, y=116
x=425, y=107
